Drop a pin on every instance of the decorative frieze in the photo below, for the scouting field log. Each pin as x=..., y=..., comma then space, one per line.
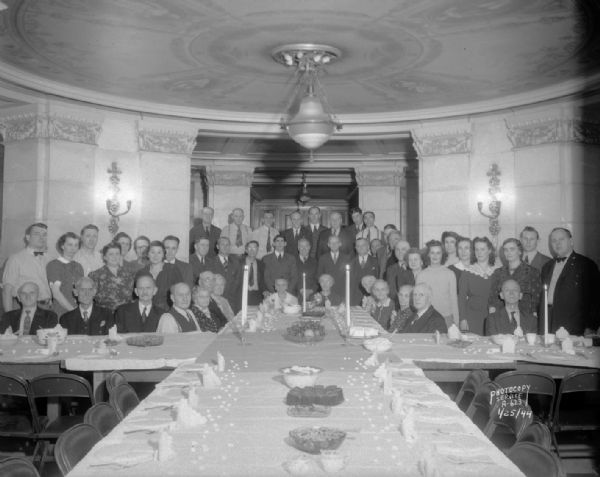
x=229, y=178
x=170, y=142
x=63, y=128
x=442, y=144
x=554, y=130
x=379, y=178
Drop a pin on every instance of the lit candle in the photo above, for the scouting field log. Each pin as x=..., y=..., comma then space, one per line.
x=545, y=313
x=348, y=296
x=304, y=292
x=245, y=296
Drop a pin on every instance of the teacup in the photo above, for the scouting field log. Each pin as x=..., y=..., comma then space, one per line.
x=531, y=337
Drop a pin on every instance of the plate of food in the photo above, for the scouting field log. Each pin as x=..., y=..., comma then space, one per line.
x=313, y=410
x=316, y=439
x=310, y=331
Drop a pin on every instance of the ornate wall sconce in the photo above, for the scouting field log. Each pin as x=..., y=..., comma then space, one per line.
x=494, y=204
x=113, y=204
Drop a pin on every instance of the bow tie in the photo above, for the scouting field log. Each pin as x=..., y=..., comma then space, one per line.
x=37, y=254
x=560, y=259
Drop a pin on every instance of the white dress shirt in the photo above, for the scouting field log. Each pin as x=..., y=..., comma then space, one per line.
x=168, y=324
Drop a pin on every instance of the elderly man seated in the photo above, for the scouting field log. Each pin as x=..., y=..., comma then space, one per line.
x=209, y=318
x=510, y=317
x=326, y=296
x=179, y=318
x=30, y=317
x=215, y=284
x=425, y=319
x=88, y=318
x=281, y=297
x=140, y=315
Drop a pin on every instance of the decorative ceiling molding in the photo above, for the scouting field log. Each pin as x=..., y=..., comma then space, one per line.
x=34, y=125
x=391, y=177
x=168, y=142
x=553, y=130
x=229, y=177
x=430, y=142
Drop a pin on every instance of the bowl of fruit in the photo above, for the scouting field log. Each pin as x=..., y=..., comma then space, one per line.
x=300, y=376
x=306, y=331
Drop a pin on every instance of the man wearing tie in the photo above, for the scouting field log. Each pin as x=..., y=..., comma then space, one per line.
x=179, y=319
x=88, y=318
x=238, y=234
x=371, y=231
x=171, y=244
x=294, y=234
x=529, y=239
x=573, y=282
x=279, y=265
x=358, y=224
x=315, y=229
x=231, y=270
x=265, y=234
x=205, y=229
x=200, y=261
x=140, y=315
x=256, y=274
x=346, y=242
x=307, y=265
x=506, y=320
x=334, y=263
x=29, y=318
x=361, y=265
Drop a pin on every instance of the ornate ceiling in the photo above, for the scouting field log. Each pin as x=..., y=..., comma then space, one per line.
x=205, y=58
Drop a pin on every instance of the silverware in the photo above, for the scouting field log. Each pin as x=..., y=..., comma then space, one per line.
x=466, y=461
x=162, y=407
x=143, y=431
x=116, y=465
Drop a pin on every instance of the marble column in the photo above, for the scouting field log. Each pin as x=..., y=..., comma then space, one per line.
x=229, y=188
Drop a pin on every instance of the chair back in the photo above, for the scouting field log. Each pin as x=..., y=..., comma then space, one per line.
x=538, y=433
x=541, y=393
x=481, y=405
x=114, y=379
x=123, y=399
x=73, y=445
x=62, y=385
x=13, y=386
x=509, y=420
x=535, y=461
x=578, y=402
x=102, y=416
x=17, y=467
x=469, y=387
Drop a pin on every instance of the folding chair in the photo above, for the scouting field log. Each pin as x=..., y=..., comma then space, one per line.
x=538, y=433
x=17, y=467
x=102, y=416
x=507, y=423
x=18, y=418
x=481, y=405
x=467, y=391
x=73, y=445
x=535, y=461
x=123, y=399
x=114, y=379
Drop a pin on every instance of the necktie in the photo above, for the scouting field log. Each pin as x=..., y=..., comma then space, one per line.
x=251, y=275
x=560, y=259
x=334, y=257
x=27, y=322
x=295, y=234
x=279, y=256
x=526, y=259
x=238, y=238
x=86, y=316
x=369, y=235
x=269, y=241
x=38, y=254
x=512, y=317
x=201, y=260
x=145, y=314
x=362, y=261
x=207, y=229
x=225, y=264
x=191, y=318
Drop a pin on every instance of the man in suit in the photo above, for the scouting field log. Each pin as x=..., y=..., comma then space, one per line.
x=370, y=231
x=265, y=234
x=231, y=269
x=425, y=319
x=506, y=320
x=346, y=241
x=573, y=282
x=361, y=265
x=206, y=229
x=529, y=239
x=171, y=244
x=238, y=234
x=315, y=229
x=30, y=318
x=386, y=255
x=294, y=234
x=279, y=265
x=334, y=263
x=357, y=225
x=256, y=274
x=200, y=261
x=307, y=267
x=140, y=315
x=88, y=318
x=179, y=318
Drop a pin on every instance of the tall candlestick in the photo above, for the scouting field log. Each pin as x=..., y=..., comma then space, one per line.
x=545, y=313
x=348, y=296
x=304, y=292
x=245, y=296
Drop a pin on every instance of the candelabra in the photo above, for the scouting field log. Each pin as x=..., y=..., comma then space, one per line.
x=113, y=204
x=494, y=204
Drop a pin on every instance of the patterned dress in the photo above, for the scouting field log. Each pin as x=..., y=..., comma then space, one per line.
x=113, y=290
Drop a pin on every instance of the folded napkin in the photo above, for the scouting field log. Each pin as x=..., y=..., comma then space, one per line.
x=567, y=346
x=518, y=332
x=562, y=333
x=192, y=398
x=220, y=362
x=112, y=333
x=210, y=380
x=453, y=333
x=165, y=447
x=187, y=418
x=372, y=360
x=427, y=463
x=397, y=404
x=407, y=426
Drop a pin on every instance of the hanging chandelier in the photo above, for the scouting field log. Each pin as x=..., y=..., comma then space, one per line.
x=308, y=119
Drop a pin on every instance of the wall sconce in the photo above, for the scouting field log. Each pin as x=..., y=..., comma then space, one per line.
x=494, y=204
x=113, y=204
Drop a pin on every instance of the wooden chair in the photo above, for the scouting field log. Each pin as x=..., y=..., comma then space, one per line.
x=535, y=461
x=17, y=467
x=102, y=416
x=123, y=399
x=73, y=445
x=469, y=387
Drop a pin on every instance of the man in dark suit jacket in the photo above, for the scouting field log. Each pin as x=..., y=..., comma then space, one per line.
x=30, y=318
x=334, y=263
x=205, y=229
x=425, y=319
x=361, y=265
x=141, y=315
x=315, y=229
x=88, y=318
x=231, y=269
x=171, y=244
x=280, y=265
x=256, y=274
x=346, y=241
x=357, y=225
x=200, y=261
x=307, y=266
x=529, y=239
x=506, y=319
x=385, y=255
x=573, y=283
x=294, y=234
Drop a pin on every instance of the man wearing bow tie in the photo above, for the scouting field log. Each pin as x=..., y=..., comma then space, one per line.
x=573, y=283
x=28, y=265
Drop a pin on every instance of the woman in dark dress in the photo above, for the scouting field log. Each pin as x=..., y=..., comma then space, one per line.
x=165, y=274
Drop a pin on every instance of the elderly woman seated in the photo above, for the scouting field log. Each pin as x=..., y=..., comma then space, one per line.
x=404, y=313
x=209, y=318
x=367, y=284
x=281, y=298
x=384, y=308
x=326, y=296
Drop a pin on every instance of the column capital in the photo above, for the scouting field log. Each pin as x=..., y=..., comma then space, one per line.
x=231, y=177
x=170, y=137
x=552, y=130
x=379, y=177
x=441, y=139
